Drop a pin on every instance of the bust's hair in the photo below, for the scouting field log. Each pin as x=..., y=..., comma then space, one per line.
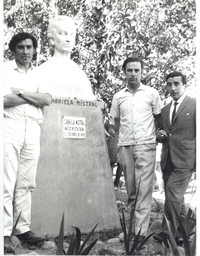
x=54, y=24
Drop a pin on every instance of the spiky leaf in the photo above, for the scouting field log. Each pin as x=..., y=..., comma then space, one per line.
x=184, y=234
x=77, y=240
x=60, y=238
x=71, y=248
x=87, y=238
x=172, y=244
x=144, y=241
x=88, y=248
x=135, y=243
x=123, y=224
x=190, y=222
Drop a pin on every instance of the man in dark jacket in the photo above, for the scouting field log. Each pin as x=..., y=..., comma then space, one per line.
x=178, y=135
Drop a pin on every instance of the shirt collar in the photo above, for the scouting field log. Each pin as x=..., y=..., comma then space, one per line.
x=140, y=88
x=179, y=101
x=15, y=67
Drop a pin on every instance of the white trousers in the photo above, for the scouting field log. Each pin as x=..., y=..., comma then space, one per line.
x=21, y=153
x=139, y=163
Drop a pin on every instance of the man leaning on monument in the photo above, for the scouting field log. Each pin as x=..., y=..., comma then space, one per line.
x=178, y=158
x=61, y=74
x=23, y=102
x=137, y=108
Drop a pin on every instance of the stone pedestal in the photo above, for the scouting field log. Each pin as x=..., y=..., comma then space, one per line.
x=74, y=174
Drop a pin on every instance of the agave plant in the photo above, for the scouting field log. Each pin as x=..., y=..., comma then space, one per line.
x=188, y=231
x=172, y=242
x=137, y=243
x=75, y=247
x=60, y=250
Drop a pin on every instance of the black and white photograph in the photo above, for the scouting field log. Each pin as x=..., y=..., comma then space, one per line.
x=98, y=130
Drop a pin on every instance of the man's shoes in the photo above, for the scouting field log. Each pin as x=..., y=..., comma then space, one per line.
x=30, y=238
x=8, y=248
x=162, y=237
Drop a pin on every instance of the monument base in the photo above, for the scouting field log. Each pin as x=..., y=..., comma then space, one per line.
x=74, y=175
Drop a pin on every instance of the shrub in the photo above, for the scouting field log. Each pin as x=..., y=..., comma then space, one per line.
x=188, y=231
x=75, y=247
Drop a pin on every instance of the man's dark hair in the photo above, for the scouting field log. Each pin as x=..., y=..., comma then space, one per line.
x=177, y=73
x=131, y=59
x=19, y=37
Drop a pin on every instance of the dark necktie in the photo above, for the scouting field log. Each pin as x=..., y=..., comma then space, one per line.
x=174, y=111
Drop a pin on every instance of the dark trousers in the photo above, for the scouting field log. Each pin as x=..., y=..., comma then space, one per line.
x=176, y=181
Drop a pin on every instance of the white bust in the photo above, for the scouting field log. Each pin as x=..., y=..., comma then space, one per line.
x=62, y=75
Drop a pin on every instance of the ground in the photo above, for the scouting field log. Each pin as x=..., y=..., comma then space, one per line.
x=108, y=240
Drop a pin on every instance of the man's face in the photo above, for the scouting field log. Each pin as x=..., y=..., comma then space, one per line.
x=175, y=87
x=64, y=38
x=133, y=74
x=24, y=52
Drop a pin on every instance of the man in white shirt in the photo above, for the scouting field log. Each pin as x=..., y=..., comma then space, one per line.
x=137, y=109
x=23, y=102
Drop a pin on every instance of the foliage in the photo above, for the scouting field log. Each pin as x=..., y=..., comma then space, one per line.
x=138, y=242
x=161, y=32
x=60, y=249
x=188, y=231
x=75, y=247
x=172, y=242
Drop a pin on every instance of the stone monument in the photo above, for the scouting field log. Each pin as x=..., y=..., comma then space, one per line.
x=74, y=175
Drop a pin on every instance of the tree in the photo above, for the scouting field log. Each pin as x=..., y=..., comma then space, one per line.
x=162, y=32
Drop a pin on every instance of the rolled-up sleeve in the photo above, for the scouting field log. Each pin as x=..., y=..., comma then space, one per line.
x=156, y=102
x=114, y=111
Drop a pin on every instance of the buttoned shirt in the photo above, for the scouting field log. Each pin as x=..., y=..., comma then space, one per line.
x=179, y=101
x=136, y=113
x=17, y=78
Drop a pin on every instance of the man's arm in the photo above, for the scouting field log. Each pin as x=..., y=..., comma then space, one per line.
x=114, y=126
x=161, y=135
x=114, y=116
x=158, y=123
x=35, y=98
x=11, y=100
